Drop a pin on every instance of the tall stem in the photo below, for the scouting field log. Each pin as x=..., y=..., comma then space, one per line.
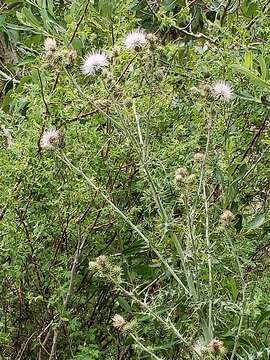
x=209, y=261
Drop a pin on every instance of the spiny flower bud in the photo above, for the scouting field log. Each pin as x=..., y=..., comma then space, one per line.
x=190, y=179
x=204, y=90
x=108, y=76
x=129, y=102
x=118, y=322
x=226, y=217
x=151, y=38
x=71, y=56
x=115, y=51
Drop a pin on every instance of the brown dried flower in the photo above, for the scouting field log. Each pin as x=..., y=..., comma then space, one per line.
x=226, y=217
x=102, y=260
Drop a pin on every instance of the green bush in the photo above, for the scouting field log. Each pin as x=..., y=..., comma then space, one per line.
x=134, y=180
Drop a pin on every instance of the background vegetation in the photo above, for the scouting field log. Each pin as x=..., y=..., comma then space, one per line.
x=106, y=251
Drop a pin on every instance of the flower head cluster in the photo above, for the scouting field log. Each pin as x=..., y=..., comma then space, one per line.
x=222, y=91
x=51, y=139
x=135, y=40
x=181, y=175
x=93, y=63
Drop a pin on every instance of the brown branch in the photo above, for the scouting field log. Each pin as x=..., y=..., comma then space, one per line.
x=43, y=96
x=252, y=143
x=79, y=22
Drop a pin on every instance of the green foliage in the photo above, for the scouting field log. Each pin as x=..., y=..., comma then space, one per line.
x=143, y=231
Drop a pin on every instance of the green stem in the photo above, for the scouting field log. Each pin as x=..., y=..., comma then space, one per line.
x=240, y=324
x=144, y=347
x=209, y=260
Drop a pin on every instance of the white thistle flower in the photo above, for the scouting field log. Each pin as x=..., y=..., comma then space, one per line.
x=199, y=347
x=135, y=39
x=93, y=63
x=222, y=91
x=118, y=322
x=50, y=44
x=50, y=139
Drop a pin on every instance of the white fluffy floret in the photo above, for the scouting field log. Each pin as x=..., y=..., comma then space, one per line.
x=50, y=44
x=93, y=63
x=222, y=91
x=135, y=39
x=199, y=347
x=50, y=139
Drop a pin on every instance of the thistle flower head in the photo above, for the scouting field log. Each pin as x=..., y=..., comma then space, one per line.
x=118, y=322
x=198, y=157
x=222, y=91
x=226, y=217
x=181, y=175
x=50, y=44
x=199, y=347
x=71, y=56
x=115, y=51
x=216, y=346
x=93, y=63
x=135, y=39
x=102, y=261
x=51, y=139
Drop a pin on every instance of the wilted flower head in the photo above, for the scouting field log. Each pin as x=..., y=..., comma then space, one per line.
x=181, y=175
x=93, y=63
x=71, y=56
x=152, y=39
x=226, y=217
x=51, y=139
x=118, y=322
x=50, y=44
x=216, y=346
x=102, y=261
x=115, y=51
x=198, y=157
x=135, y=39
x=222, y=91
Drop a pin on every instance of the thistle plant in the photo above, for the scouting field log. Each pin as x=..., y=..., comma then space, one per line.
x=135, y=202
